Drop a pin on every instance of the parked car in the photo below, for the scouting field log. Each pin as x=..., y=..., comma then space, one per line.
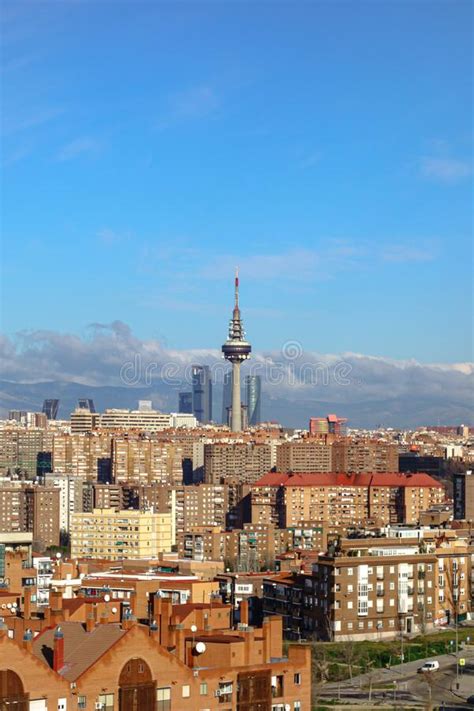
x=429, y=667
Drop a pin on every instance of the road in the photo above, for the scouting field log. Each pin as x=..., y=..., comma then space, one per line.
x=410, y=687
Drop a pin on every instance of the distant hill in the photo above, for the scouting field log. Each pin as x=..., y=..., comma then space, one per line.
x=403, y=410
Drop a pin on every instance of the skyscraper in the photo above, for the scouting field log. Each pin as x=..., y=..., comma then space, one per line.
x=202, y=393
x=253, y=386
x=86, y=404
x=236, y=350
x=186, y=403
x=226, y=397
x=50, y=409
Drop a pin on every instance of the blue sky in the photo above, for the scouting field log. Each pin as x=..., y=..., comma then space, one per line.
x=326, y=148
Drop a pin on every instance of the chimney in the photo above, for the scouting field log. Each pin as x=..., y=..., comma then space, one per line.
x=27, y=603
x=180, y=637
x=128, y=620
x=3, y=628
x=90, y=618
x=28, y=640
x=266, y=640
x=156, y=606
x=55, y=600
x=58, y=652
x=164, y=622
x=244, y=612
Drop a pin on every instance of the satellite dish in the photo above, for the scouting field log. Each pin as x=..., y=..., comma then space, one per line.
x=200, y=647
x=193, y=628
x=59, y=555
x=14, y=604
x=114, y=610
x=9, y=605
x=4, y=607
x=107, y=598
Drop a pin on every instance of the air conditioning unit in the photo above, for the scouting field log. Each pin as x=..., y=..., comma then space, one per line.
x=99, y=705
x=218, y=692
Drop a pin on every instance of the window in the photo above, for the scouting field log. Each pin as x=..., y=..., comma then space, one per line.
x=350, y=588
x=82, y=702
x=297, y=706
x=350, y=604
x=186, y=691
x=163, y=699
x=107, y=701
x=350, y=571
x=297, y=679
x=203, y=688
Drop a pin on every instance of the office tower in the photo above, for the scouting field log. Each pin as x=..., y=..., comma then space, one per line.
x=185, y=405
x=227, y=398
x=17, y=415
x=463, y=484
x=236, y=350
x=202, y=393
x=50, y=409
x=253, y=385
x=86, y=404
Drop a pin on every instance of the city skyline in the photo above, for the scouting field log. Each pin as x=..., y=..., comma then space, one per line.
x=343, y=195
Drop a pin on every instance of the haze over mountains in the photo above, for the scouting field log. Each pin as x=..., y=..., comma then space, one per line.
x=116, y=369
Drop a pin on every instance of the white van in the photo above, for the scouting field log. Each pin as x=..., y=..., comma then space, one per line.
x=429, y=666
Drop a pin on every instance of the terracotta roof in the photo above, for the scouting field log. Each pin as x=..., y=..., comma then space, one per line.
x=394, y=479
x=81, y=648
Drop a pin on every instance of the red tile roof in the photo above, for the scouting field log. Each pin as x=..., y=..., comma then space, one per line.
x=394, y=479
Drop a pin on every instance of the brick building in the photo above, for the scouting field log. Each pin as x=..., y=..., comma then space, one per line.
x=343, y=499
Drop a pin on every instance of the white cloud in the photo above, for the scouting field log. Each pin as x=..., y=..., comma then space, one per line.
x=373, y=389
x=78, y=147
x=197, y=102
x=445, y=170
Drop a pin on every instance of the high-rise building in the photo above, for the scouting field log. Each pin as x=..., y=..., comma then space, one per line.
x=86, y=404
x=253, y=386
x=464, y=496
x=202, y=393
x=50, y=409
x=227, y=397
x=117, y=535
x=186, y=403
x=236, y=350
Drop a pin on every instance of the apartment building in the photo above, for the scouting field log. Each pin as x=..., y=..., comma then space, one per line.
x=376, y=588
x=117, y=535
x=364, y=456
x=307, y=455
x=343, y=499
x=31, y=508
x=19, y=448
x=142, y=460
x=246, y=460
x=253, y=548
x=464, y=496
